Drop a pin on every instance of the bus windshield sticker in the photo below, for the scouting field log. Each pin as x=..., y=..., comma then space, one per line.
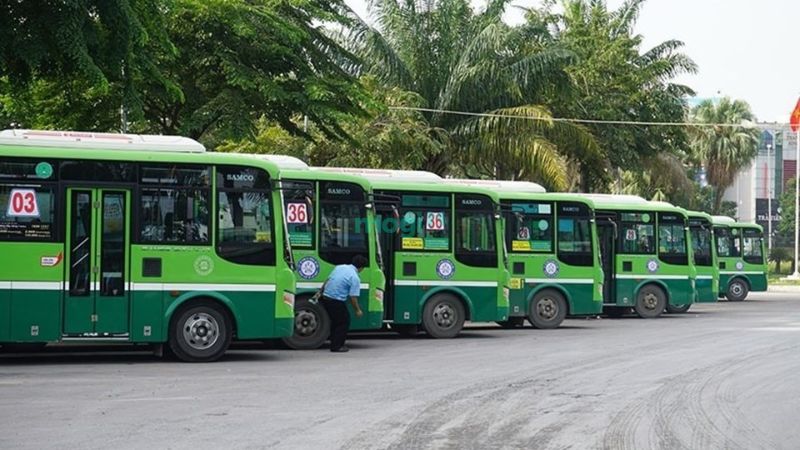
x=630, y=234
x=521, y=246
x=524, y=233
x=433, y=243
x=413, y=243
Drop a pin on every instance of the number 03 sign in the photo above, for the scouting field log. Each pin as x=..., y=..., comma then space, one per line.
x=22, y=203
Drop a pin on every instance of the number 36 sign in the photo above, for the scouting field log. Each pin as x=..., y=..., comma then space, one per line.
x=22, y=203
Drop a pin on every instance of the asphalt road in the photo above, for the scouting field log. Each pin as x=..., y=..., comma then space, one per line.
x=722, y=376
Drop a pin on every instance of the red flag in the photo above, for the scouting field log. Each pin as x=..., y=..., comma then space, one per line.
x=794, y=122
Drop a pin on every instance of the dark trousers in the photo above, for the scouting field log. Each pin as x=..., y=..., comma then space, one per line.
x=340, y=321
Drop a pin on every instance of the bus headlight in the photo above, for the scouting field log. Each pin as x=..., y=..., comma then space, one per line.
x=379, y=295
x=288, y=298
x=506, y=293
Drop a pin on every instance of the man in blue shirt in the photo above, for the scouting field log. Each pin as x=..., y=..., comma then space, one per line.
x=342, y=283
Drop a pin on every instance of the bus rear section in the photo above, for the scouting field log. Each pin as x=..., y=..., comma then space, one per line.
x=139, y=246
x=645, y=258
x=443, y=257
x=742, y=258
x=553, y=258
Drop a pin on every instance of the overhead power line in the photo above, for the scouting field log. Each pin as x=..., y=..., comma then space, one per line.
x=746, y=124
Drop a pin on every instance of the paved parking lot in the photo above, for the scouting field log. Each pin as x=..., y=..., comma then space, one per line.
x=722, y=376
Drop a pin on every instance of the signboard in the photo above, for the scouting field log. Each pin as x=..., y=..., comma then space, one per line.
x=297, y=213
x=434, y=221
x=22, y=203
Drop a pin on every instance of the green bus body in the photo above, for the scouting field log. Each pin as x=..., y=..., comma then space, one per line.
x=124, y=240
x=741, y=256
x=644, y=245
x=704, y=250
x=558, y=251
x=552, y=245
x=345, y=228
x=429, y=257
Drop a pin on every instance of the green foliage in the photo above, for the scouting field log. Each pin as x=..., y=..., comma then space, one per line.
x=457, y=59
x=723, y=151
x=612, y=79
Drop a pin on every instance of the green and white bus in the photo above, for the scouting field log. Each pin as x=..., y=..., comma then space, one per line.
x=645, y=252
x=443, y=252
x=331, y=219
x=742, y=258
x=140, y=239
x=553, y=253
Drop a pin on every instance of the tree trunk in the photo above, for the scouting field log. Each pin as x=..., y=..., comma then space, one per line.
x=718, y=193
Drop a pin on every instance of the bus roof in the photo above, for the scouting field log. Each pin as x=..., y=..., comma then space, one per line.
x=699, y=214
x=630, y=203
x=412, y=176
x=319, y=175
x=284, y=161
x=723, y=220
x=100, y=141
x=500, y=186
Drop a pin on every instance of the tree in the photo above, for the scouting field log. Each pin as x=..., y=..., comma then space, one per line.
x=724, y=147
x=612, y=79
x=239, y=61
x=457, y=59
x=97, y=46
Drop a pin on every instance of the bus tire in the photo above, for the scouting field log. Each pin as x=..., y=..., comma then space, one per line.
x=512, y=322
x=650, y=302
x=672, y=309
x=737, y=290
x=443, y=316
x=312, y=326
x=200, y=331
x=547, y=309
x=405, y=330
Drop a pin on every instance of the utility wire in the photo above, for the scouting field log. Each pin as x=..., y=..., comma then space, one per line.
x=597, y=121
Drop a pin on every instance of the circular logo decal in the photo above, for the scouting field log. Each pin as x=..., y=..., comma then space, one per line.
x=652, y=266
x=409, y=217
x=543, y=225
x=551, y=268
x=739, y=265
x=44, y=170
x=646, y=218
x=445, y=269
x=308, y=268
x=203, y=265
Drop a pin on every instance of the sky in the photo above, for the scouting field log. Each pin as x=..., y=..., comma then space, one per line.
x=745, y=49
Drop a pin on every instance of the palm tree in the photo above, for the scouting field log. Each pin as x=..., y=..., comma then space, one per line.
x=457, y=59
x=723, y=150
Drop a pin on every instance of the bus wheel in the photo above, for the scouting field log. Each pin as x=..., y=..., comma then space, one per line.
x=548, y=309
x=737, y=290
x=513, y=322
x=311, y=326
x=672, y=309
x=200, y=332
x=650, y=302
x=405, y=330
x=443, y=316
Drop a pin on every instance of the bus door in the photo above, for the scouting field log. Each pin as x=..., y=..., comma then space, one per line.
x=386, y=217
x=96, y=297
x=607, y=235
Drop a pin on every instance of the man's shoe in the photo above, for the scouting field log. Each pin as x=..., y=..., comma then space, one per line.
x=342, y=349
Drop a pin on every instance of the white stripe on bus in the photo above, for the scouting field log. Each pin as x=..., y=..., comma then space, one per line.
x=742, y=272
x=560, y=280
x=202, y=287
x=652, y=277
x=317, y=285
x=445, y=283
x=704, y=277
x=33, y=285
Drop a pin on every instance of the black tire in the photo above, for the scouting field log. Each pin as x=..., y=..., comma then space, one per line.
x=737, y=290
x=547, y=309
x=200, y=332
x=443, y=316
x=650, y=302
x=405, y=330
x=513, y=322
x=672, y=309
x=312, y=326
